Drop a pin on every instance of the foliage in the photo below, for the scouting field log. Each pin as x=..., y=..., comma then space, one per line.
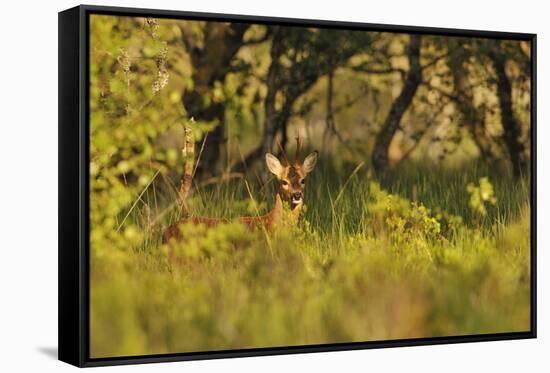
x=438, y=251
x=481, y=196
x=403, y=270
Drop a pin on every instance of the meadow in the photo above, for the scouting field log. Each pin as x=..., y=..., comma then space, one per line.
x=437, y=253
x=417, y=215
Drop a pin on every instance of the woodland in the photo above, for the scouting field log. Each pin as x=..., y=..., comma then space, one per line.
x=417, y=216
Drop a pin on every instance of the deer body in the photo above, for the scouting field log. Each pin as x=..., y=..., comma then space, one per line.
x=268, y=221
x=291, y=178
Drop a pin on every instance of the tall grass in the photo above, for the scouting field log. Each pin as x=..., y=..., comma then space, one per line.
x=366, y=263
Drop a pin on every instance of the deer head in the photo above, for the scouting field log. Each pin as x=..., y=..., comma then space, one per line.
x=292, y=175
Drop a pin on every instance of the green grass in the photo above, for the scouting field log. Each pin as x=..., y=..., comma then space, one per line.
x=366, y=263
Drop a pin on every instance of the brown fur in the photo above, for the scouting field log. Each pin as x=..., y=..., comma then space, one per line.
x=291, y=183
x=292, y=176
x=268, y=221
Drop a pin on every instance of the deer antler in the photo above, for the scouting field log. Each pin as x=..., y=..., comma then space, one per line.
x=285, y=159
x=298, y=148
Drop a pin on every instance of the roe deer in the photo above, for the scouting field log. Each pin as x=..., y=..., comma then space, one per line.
x=291, y=177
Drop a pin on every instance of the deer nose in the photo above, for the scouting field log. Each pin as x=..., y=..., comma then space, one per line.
x=297, y=195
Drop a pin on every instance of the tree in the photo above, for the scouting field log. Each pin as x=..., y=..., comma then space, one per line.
x=510, y=124
x=271, y=115
x=413, y=78
x=299, y=58
x=211, y=60
x=463, y=97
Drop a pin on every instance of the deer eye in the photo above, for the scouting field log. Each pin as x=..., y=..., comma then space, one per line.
x=302, y=181
x=284, y=183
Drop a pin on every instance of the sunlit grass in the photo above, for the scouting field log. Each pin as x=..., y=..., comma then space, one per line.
x=364, y=264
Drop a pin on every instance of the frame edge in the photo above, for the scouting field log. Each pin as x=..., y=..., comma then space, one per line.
x=70, y=347
x=72, y=317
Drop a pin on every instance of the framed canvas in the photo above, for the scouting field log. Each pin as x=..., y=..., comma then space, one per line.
x=236, y=186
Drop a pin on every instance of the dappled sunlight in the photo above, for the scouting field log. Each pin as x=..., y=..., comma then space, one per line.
x=406, y=215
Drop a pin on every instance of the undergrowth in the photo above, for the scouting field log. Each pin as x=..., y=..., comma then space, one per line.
x=413, y=259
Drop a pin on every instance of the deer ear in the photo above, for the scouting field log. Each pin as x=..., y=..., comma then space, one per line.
x=273, y=164
x=309, y=162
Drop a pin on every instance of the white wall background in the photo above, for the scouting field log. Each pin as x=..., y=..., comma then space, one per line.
x=28, y=183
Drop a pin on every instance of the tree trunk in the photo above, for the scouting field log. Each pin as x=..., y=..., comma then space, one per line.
x=290, y=82
x=472, y=119
x=329, y=129
x=270, y=110
x=380, y=159
x=210, y=65
x=512, y=130
x=270, y=121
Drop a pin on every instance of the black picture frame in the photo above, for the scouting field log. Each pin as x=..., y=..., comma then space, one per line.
x=74, y=189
